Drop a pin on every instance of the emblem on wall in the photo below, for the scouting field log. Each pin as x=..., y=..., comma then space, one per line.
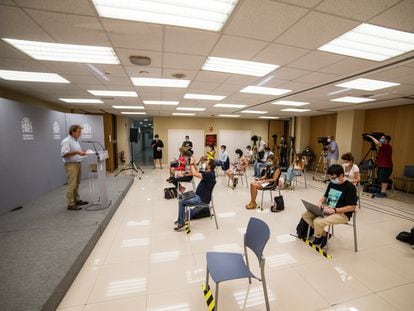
x=86, y=131
x=56, y=130
x=27, y=129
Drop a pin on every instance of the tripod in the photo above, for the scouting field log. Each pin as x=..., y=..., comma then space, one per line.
x=324, y=161
x=372, y=152
x=131, y=165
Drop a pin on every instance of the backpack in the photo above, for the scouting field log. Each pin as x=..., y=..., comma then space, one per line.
x=406, y=237
x=279, y=204
x=170, y=193
x=200, y=211
x=302, y=229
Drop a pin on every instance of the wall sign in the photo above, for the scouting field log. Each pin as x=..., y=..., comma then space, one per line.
x=86, y=131
x=27, y=129
x=56, y=131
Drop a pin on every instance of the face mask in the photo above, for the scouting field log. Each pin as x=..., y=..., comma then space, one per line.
x=328, y=140
x=335, y=181
x=382, y=140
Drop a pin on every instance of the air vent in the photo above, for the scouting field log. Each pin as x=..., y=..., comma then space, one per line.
x=108, y=98
x=140, y=60
x=178, y=75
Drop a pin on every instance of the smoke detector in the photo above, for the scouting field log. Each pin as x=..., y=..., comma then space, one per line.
x=140, y=60
x=178, y=75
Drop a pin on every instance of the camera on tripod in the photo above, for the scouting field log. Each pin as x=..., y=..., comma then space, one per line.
x=376, y=135
x=323, y=140
x=274, y=136
x=292, y=139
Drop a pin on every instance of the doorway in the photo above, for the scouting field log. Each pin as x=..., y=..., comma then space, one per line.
x=142, y=148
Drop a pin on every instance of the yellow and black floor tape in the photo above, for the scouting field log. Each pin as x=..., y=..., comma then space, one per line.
x=187, y=227
x=318, y=249
x=208, y=296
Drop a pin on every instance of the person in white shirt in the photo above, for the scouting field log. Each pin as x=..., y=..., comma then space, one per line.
x=262, y=144
x=262, y=162
x=249, y=153
x=72, y=154
x=351, y=170
x=223, y=159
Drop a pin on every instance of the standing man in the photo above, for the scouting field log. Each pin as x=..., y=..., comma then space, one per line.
x=157, y=146
x=72, y=157
x=187, y=144
x=333, y=151
x=262, y=144
x=283, y=151
x=384, y=162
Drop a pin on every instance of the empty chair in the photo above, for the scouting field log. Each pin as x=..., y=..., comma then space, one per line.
x=408, y=176
x=231, y=266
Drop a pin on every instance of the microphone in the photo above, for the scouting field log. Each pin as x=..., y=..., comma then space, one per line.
x=94, y=142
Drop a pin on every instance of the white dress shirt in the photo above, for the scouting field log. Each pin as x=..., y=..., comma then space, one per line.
x=70, y=144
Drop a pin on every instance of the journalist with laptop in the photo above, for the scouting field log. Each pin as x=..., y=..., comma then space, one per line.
x=336, y=206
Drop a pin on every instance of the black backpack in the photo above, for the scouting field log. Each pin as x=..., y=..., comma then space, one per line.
x=279, y=204
x=200, y=211
x=406, y=237
x=170, y=193
x=302, y=229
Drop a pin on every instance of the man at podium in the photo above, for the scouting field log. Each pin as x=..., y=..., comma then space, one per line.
x=72, y=157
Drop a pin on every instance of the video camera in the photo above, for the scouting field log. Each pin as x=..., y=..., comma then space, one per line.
x=274, y=136
x=323, y=140
x=376, y=135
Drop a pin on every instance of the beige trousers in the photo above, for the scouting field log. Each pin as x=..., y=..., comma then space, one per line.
x=73, y=171
x=319, y=223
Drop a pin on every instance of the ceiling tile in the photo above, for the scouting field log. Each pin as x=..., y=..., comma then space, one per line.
x=208, y=86
x=23, y=65
x=67, y=68
x=183, y=61
x=189, y=41
x=361, y=10
x=317, y=78
x=302, y=3
x=8, y=2
x=65, y=6
x=398, y=17
x=238, y=48
x=264, y=21
x=242, y=80
x=279, y=54
x=83, y=79
x=134, y=35
x=65, y=28
x=172, y=93
x=7, y=51
x=211, y=76
x=296, y=86
x=349, y=65
x=14, y=23
x=287, y=73
x=316, y=60
x=316, y=29
x=136, y=71
x=189, y=74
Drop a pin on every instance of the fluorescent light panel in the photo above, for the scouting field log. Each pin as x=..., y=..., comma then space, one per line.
x=182, y=114
x=289, y=103
x=270, y=118
x=113, y=93
x=160, y=82
x=253, y=111
x=161, y=102
x=204, y=96
x=65, y=52
x=237, y=66
x=352, y=99
x=190, y=109
x=28, y=76
x=229, y=115
x=264, y=90
x=132, y=112
x=81, y=100
x=128, y=107
x=295, y=110
x=229, y=106
x=206, y=14
x=367, y=84
x=371, y=42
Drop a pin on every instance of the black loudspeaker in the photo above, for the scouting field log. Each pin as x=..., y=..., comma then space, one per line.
x=133, y=135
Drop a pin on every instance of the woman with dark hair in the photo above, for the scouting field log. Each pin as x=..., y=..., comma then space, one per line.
x=239, y=167
x=269, y=180
x=157, y=146
x=351, y=170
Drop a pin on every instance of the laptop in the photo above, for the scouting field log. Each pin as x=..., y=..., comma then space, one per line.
x=188, y=195
x=314, y=209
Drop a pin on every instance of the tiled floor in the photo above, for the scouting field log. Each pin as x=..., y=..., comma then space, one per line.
x=140, y=263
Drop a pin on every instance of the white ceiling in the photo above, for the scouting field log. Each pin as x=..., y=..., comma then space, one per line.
x=286, y=33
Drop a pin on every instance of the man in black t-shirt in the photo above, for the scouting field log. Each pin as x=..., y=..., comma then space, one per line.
x=187, y=144
x=203, y=192
x=338, y=204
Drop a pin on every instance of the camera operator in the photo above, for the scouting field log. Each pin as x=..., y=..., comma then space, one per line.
x=384, y=162
x=333, y=151
x=283, y=151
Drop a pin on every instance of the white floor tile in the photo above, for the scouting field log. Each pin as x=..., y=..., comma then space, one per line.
x=401, y=297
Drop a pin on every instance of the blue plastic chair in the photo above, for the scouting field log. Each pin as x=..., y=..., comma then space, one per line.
x=231, y=266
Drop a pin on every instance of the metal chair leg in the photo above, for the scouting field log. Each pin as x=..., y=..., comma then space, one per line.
x=266, y=296
x=207, y=277
x=355, y=234
x=261, y=202
x=308, y=234
x=304, y=177
x=214, y=213
x=216, y=296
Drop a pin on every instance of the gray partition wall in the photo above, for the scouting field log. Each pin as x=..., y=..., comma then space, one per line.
x=30, y=161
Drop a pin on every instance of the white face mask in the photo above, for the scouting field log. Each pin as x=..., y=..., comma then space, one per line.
x=335, y=181
x=328, y=140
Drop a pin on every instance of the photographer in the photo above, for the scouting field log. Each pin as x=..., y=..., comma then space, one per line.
x=384, y=162
x=333, y=151
x=283, y=151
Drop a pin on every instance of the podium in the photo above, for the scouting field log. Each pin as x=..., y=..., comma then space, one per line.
x=97, y=174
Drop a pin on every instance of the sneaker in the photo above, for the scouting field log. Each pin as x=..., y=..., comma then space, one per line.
x=180, y=227
x=74, y=208
x=80, y=202
x=324, y=241
x=176, y=222
x=317, y=241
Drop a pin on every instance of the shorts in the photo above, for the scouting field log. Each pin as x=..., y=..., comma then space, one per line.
x=383, y=174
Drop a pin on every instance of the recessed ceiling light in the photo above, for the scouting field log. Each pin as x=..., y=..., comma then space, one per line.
x=128, y=107
x=289, y=103
x=266, y=117
x=264, y=90
x=371, y=42
x=132, y=112
x=237, y=66
x=229, y=115
x=229, y=106
x=295, y=110
x=253, y=111
x=161, y=102
x=190, y=109
x=367, y=84
x=28, y=76
x=182, y=114
x=208, y=15
x=352, y=99
x=81, y=100
x=113, y=93
x=65, y=52
x=160, y=82
x=204, y=96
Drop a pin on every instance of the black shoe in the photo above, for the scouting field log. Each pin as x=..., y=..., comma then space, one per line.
x=74, y=208
x=180, y=227
x=80, y=202
x=324, y=241
x=317, y=241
